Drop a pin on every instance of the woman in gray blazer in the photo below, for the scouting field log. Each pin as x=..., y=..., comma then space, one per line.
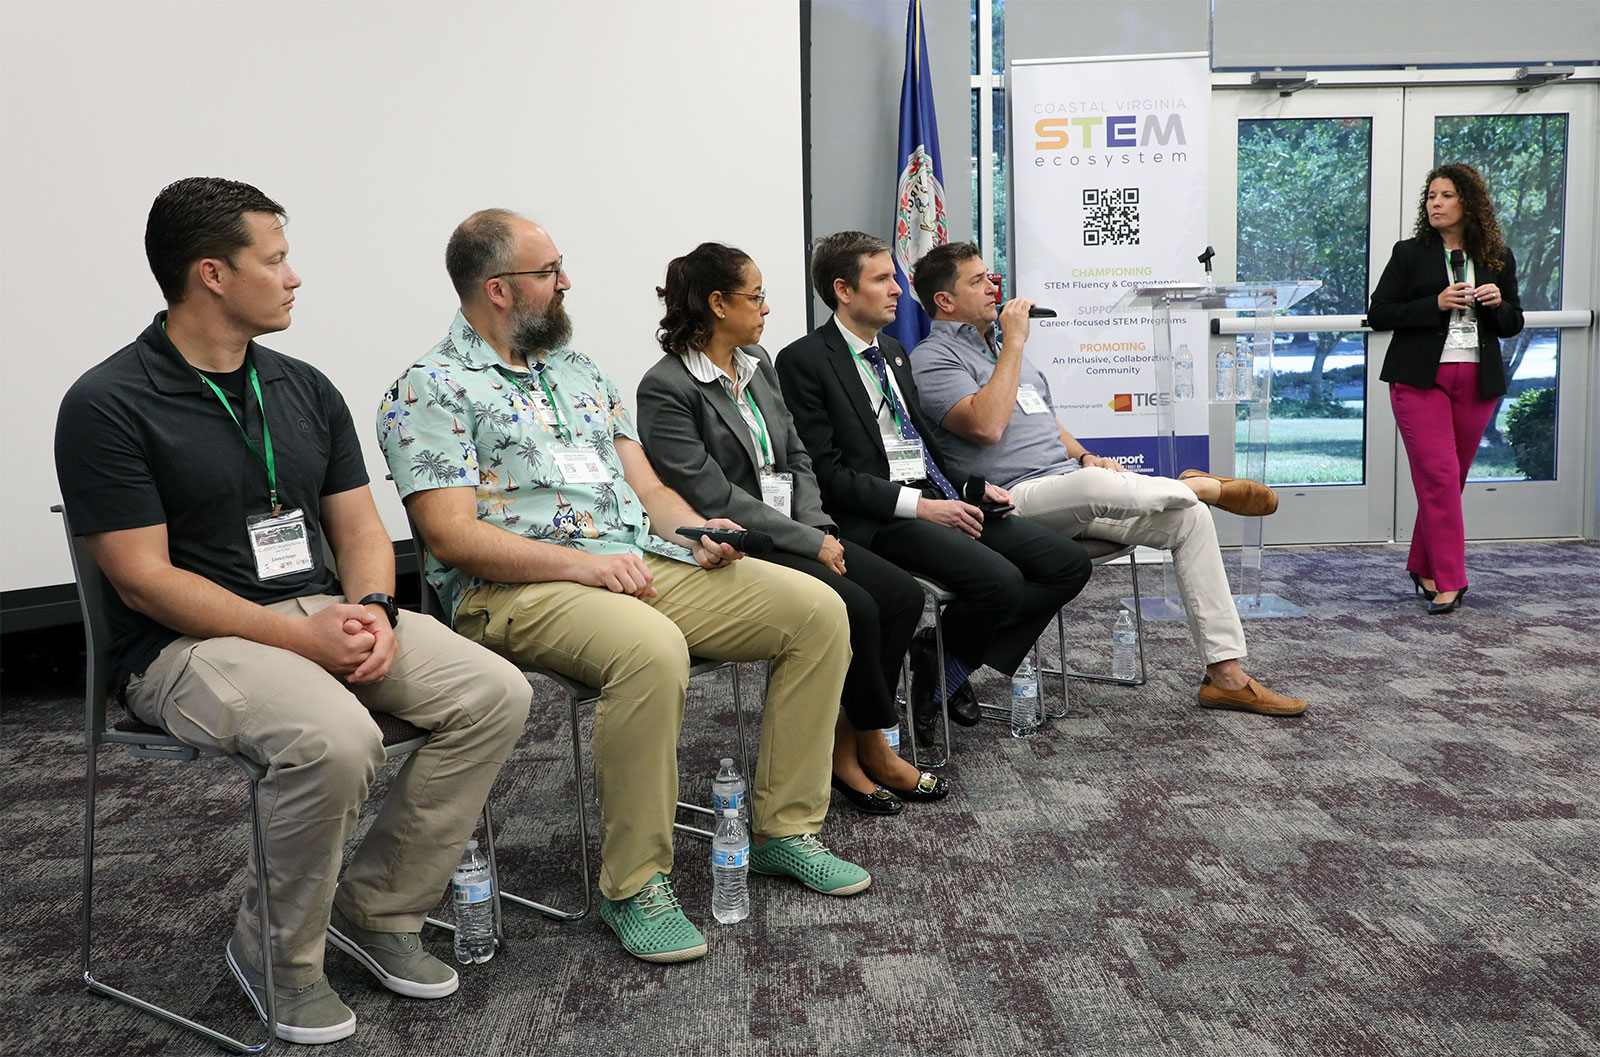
x=712, y=418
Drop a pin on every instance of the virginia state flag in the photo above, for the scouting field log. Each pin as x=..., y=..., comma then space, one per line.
x=919, y=220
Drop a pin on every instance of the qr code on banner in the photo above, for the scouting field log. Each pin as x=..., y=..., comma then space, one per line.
x=1111, y=216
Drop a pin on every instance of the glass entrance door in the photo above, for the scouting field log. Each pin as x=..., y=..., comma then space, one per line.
x=1320, y=185
x=1302, y=185
x=1535, y=149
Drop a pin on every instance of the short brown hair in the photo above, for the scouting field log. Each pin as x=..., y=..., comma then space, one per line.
x=481, y=245
x=937, y=271
x=838, y=256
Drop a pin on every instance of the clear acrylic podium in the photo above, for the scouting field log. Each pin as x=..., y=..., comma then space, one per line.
x=1253, y=367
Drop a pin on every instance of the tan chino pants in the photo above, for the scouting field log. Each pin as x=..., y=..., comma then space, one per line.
x=316, y=735
x=637, y=652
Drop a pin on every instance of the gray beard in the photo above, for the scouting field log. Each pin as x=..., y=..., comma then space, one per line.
x=533, y=334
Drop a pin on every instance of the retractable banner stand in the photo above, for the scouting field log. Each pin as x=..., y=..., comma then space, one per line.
x=1108, y=174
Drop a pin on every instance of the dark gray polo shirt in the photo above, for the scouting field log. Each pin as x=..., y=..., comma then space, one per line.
x=141, y=440
x=951, y=364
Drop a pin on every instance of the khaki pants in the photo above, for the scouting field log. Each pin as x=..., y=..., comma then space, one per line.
x=314, y=733
x=637, y=652
x=1154, y=512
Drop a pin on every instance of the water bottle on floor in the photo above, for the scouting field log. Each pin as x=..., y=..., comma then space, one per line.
x=1124, y=647
x=730, y=867
x=1183, y=374
x=472, y=893
x=727, y=791
x=1024, y=701
x=891, y=735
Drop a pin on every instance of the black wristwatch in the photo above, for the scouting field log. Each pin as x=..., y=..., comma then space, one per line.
x=390, y=606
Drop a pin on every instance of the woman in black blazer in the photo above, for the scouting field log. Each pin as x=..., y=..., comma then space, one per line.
x=712, y=419
x=1449, y=293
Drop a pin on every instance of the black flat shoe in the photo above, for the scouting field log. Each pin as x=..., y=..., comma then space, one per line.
x=1416, y=581
x=1438, y=608
x=878, y=802
x=928, y=787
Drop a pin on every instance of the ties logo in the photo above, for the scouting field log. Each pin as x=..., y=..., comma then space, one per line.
x=1121, y=402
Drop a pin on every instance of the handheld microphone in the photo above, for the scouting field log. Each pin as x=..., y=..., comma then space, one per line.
x=972, y=492
x=753, y=542
x=1458, y=265
x=1040, y=312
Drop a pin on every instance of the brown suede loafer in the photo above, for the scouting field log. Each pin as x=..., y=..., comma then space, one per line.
x=1252, y=698
x=1240, y=495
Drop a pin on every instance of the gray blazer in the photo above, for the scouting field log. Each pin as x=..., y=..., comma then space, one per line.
x=700, y=446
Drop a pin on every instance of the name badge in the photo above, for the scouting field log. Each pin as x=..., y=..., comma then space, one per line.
x=543, y=411
x=580, y=466
x=1030, y=401
x=777, y=491
x=905, y=459
x=280, y=543
x=1463, y=333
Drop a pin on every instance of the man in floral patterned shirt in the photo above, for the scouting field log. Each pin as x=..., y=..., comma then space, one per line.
x=552, y=541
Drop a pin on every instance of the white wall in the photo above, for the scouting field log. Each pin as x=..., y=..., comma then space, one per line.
x=633, y=129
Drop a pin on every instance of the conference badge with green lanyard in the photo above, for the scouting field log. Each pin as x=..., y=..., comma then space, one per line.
x=278, y=539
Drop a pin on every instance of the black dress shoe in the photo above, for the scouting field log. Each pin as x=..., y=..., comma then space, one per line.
x=1416, y=582
x=925, y=688
x=964, y=706
x=928, y=787
x=878, y=802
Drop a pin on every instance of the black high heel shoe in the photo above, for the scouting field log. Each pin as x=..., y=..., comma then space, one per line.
x=1436, y=608
x=1416, y=582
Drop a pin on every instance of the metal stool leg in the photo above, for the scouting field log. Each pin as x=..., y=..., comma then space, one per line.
x=263, y=922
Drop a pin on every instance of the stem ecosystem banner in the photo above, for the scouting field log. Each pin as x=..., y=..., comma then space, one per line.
x=1108, y=173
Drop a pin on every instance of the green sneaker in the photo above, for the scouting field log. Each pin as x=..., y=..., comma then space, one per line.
x=808, y=860
x=395, y=958
x=651, y=924
x=307, y=1015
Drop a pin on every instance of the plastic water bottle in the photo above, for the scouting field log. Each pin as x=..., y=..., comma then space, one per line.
x=1245, y=368
x=891, y=735
x=1024, y=701
x=730, y=866
x=472, y=892
x=727, y=791
x=1124, y=647
x=1227, y=375
x=1183, y=374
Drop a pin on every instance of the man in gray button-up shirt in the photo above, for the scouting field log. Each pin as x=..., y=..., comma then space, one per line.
x=995, y=419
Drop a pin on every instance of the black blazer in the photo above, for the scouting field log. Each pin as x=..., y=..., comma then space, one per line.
x=699, y=445
x=836, y=422
x=1406, y=301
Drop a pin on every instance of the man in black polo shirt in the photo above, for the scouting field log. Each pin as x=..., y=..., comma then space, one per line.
x=203, y=470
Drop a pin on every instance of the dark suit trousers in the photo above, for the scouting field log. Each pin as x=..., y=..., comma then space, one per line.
x=1008, y=584
x=884, y=604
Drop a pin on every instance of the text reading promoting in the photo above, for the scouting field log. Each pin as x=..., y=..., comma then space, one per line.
x=1111, y=216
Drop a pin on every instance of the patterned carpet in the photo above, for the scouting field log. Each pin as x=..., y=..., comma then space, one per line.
x=1412, y=868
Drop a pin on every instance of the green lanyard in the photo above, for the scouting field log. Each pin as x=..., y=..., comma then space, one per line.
x=266, y=434
x=561, y=420
x=872, y=376
x=761, y=424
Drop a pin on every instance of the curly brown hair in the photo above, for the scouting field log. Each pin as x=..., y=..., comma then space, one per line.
x=1480, y=230
x=691, y=280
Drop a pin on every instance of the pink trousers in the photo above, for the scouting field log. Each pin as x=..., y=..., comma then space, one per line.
x=1441, y=428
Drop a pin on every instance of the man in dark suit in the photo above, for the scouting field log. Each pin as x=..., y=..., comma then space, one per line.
x=856, y=408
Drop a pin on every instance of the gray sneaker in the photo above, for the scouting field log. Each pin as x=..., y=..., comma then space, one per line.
x=395, y=958
x=305, y=1014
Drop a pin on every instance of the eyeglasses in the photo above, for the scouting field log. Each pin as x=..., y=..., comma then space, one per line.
x=557, y=270
x=759, y=299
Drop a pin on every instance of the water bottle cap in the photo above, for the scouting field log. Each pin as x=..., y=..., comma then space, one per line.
x=472, y=845
x=727, y=761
